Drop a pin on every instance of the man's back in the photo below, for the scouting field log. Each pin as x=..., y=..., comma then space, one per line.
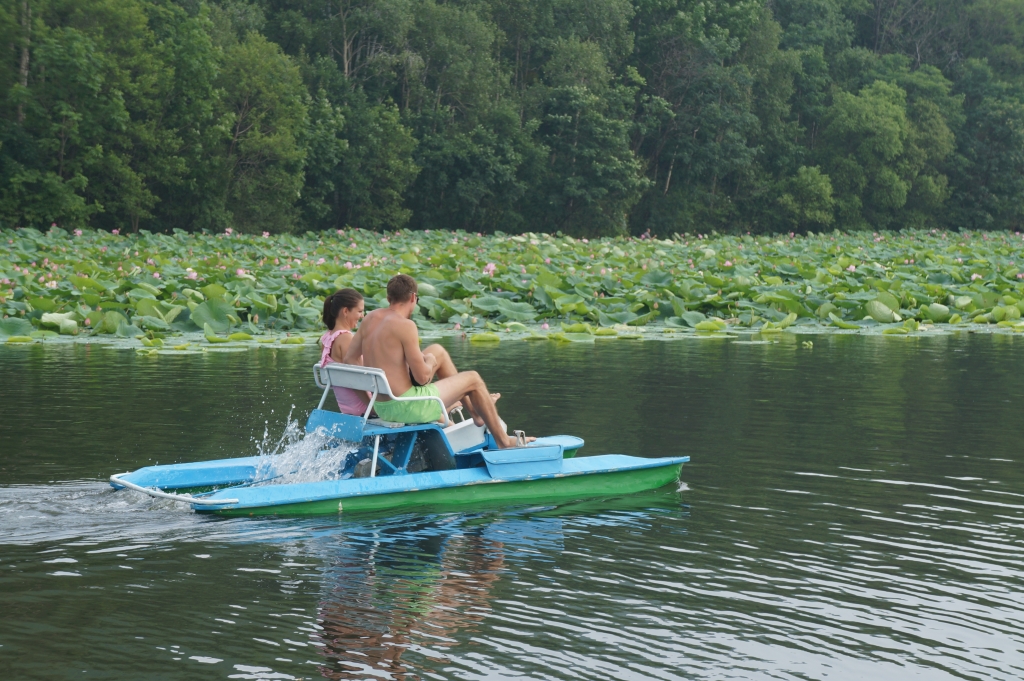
x=384, y=337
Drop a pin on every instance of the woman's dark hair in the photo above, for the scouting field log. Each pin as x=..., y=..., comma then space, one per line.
x=346, y=298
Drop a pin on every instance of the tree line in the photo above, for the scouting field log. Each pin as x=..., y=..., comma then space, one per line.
x=590, y=117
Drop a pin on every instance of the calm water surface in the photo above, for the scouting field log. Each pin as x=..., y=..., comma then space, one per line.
x=852, y=510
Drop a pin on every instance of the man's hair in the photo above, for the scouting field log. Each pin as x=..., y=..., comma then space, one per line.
x=401, y=288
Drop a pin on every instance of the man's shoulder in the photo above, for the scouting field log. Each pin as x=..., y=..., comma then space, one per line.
x=399, y=324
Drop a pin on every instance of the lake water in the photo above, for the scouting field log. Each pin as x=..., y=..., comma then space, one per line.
x=852, y=510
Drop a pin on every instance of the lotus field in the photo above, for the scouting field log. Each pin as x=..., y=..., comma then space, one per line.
x=164, y=292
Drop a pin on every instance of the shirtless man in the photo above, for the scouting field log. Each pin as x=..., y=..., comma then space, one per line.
x=388, y=339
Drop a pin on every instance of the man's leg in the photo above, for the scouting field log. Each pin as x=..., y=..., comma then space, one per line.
x=469, y=384
x=446, y=369
x=445, y=366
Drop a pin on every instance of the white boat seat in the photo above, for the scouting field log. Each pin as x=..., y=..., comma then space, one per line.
x=369, y=379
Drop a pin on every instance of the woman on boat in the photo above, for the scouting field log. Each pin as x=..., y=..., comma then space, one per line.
x=342, y=312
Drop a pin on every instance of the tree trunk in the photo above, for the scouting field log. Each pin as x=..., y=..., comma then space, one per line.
x=26, y=22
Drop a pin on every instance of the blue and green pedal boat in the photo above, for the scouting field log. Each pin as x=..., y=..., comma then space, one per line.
x=385, y=466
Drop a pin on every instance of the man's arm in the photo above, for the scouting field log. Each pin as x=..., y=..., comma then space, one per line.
x=422, y=368
x=354, y=354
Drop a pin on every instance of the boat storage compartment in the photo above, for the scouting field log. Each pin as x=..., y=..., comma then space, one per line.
x=519, y=463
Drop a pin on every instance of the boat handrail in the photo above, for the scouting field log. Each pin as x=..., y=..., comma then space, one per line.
x=370, y=379
x=184, y=498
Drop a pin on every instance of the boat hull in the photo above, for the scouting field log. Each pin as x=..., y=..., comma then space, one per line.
x=578, y=486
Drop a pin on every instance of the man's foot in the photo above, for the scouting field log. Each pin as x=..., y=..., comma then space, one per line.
x=510, y=442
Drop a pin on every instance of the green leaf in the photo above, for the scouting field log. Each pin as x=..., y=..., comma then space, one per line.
x=547, y=279
x=211, y=335
x=154, y=323
x=693, y=318
x=150, y=307
x=55, y=318
x=215, y=312
x=109, y=322
x=522, y=312
x=657, y=279
x=212, y=291
x=889, y=300
x=44, y=304
x=126, y=330
x=881, y=312
x=936, y=312
x=838, y=321
x=487, y=303
x=86, y=282
x=15, y=326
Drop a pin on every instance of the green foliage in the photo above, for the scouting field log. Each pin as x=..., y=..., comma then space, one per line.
x=590, y=118
x=230, y=283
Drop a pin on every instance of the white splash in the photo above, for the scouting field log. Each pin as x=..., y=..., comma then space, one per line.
x=298, y=456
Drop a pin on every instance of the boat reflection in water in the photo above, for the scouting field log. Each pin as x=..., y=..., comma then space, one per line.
x=418, y=588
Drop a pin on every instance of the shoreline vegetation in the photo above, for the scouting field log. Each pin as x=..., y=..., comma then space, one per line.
x=193, y=292
x=595, y=118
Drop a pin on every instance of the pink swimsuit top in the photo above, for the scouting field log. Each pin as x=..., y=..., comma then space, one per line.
x=349, y=401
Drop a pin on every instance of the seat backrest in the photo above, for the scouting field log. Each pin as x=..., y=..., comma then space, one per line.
x=351, y=376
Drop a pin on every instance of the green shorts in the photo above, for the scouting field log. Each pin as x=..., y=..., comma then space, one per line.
x=420, y=411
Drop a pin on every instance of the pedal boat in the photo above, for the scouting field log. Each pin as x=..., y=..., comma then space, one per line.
x=397, y=466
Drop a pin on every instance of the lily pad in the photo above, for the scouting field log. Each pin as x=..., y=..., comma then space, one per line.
x=881, y=312
x=214, y=312
x=14, y=326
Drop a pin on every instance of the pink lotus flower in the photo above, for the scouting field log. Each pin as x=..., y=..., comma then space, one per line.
x=88, y=321
x=276, y=261
x=348, y=265
x=103, y=249
x=489, y=269
x=727, y=263
x=975, y=276
x=266, y=234
x=51, y=284
x=321, y=261
x=229, y=231
x=115, y=232
x=604, y=271
x=191, y=274
x=523, y=270
x=341, y=231
x=156, y=275
x=149, y=261
x=547, y=261
x=78, y=232
x=545, y=326
x=851, y=268
x=239, y=271
x=457, y=326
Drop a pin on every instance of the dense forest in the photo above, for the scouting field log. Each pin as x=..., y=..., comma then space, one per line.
x=585, y=116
